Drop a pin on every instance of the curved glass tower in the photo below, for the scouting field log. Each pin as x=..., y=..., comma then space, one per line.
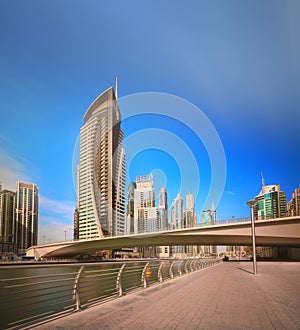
x=101, y=172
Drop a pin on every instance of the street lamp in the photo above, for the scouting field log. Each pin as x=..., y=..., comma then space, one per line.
x=251, y=204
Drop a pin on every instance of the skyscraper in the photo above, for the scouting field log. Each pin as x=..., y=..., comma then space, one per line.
x=26, y=215
x=209, y=217
x=130, y=208
x=7, y=222
x=177, y=213
x=294, y=203
x=163, y=209
x=145, y=212
x=189, y=213
x=101, y=176
x=177, y=220
x=189, y=220
x=270, y=203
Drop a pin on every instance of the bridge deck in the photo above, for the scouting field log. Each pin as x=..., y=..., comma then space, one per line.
x=225, y=296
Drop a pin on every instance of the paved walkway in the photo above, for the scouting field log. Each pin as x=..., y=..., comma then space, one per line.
x=225, y=296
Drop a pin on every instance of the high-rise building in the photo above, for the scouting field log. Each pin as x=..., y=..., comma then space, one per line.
x=130, y=208
x=145, y=212
x=163, y=251
x=26, y=215
x=163, y=209
x=101, y=172
x=294, y=204
x=7, y=222
x=270, y=203
x=177, y=220
x=209, y=217
x=189, y=220
x=177, y=213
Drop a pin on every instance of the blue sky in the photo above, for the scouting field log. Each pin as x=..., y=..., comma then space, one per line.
x=236, y=61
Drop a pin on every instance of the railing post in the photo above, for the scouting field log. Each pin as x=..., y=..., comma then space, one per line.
x=193, y=268
x=118, y=281
x=171, y=270
x=76, y=297
x=185, y=267
x=179, y=268
x=159, y=273
x=144, y=278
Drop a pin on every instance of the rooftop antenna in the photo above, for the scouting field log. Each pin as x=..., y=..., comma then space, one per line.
x=262, y=179
x=116, y=87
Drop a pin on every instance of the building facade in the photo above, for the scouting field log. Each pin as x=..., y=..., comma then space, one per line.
x=190, y=221
x=208, y=218
x=130, y=208
x=176, y=213
x=294, y=204
x=270, y=203
x=7, y=222
x=177, y=221
x=163, y=209
x=101, y=172
x=26, y=215
x=145, y=212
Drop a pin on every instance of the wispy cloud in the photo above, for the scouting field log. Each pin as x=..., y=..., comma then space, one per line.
x=64, y=208
x=55, y=220
x=52, y=229
x=12, y=168
x=229, y=192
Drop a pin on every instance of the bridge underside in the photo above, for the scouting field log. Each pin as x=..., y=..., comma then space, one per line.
x=279, y=232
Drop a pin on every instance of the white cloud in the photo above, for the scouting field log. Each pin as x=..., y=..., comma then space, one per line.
x=229, y=192
x=55, y=218
x=11, y=169
x=52, y=229
x=65, y=208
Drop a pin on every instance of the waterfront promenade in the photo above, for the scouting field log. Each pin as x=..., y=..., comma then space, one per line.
x=225, y=296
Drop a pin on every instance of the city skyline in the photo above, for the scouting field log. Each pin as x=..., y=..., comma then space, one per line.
x=236, y=62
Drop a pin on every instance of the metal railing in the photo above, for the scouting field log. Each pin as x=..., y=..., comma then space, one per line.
x=54, y=290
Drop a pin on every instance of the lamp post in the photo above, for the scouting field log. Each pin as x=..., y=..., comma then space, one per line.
x=65, y=235
x=251, y=204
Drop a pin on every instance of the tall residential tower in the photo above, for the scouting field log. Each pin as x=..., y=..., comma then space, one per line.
x=26, y=215
x=101, y=172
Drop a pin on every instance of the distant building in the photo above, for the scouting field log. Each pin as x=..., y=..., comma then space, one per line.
x=163, y=209
x=101, y=172
x=270, y=203
x=294, y=204
x=190, y=220
x=189, y=216
x=177, y=221
x=176, y=212
x=26, y=215
x=7, y=222
x=145, y=212
x=76, y=225
x=130, y=208
x=209, y=218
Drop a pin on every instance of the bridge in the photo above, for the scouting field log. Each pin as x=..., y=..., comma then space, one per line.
x=272, y=232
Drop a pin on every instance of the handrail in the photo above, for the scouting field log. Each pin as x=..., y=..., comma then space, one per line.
x=118, y=283
x=24, y=301
x=76, y=297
